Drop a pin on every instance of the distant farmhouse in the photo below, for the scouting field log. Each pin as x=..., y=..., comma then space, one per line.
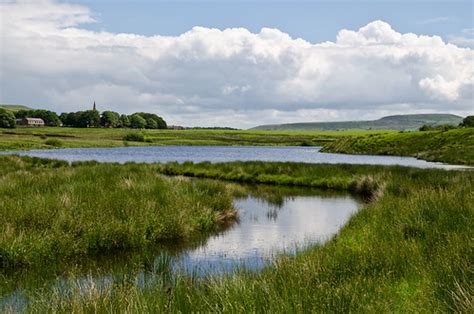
x=30, y=122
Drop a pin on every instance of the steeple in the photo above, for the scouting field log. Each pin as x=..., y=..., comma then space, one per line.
x=93, y=107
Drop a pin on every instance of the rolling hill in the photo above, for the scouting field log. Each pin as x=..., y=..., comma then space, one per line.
x=397, y=122
x=14, y=107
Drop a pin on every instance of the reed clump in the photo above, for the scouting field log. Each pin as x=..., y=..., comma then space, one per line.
x=51, y=211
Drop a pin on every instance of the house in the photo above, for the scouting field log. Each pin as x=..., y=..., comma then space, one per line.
x=31, y=122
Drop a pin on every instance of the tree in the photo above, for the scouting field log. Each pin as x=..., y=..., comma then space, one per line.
x=124, y=121
x=151, y=124
x=161, y=124
x=83, y=119
x=468, y=122
x=137, y=121
x=90, y=119
x=426, y=127
x=109, y=119
x=7, y=119
x=50, y=118
x=63, y=117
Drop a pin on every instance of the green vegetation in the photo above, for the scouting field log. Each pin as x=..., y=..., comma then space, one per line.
x=111, y=119
x=14, y=107
x=468, y=122
x=30, y=138
x=326, y=176
x=50, y=118
x=7, y=119
x=408, y=250
x=51, y=212
x=53, y=142
x=399, y=122
x=134, y=137
x=452, y=146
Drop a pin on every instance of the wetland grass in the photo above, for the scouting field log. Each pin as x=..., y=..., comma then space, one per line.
x=51, y=212
x=409, y=250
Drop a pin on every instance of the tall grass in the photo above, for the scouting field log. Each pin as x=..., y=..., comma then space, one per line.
x=50, y=211
x=409, y=251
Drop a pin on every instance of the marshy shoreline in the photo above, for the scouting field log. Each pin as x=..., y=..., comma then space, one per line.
x=410, y=247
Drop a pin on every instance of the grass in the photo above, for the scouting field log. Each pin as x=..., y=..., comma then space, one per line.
x=51, y=212
x=410, y=250
x=453, y=146
x=35, y=138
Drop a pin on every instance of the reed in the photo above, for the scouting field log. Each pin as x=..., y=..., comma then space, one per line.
x=409, y=250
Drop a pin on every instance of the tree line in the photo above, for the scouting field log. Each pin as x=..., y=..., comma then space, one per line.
x=86, y=119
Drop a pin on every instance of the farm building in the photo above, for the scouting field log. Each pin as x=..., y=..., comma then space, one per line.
x=32, y=122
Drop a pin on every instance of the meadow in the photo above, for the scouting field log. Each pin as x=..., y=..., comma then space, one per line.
x=37, y=138
x=409, y=249
x=450, y=146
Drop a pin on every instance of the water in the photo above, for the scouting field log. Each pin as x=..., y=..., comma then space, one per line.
x=267, y=229
x=272, y=221
x=150, y=154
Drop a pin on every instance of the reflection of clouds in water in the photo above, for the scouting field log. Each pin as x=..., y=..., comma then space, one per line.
x=299, y=221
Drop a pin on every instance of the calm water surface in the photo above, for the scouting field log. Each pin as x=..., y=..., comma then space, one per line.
x=272, y=221
x=150, y=154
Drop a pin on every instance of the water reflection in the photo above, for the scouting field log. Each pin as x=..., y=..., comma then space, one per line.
x=266, y=229
x=272, y=220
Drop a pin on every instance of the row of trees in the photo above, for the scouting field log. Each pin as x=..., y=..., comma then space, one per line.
x=86, y=119
x=112, y=119
x=467, y=122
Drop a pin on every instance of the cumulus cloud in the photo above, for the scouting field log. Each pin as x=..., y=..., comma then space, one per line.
x=226, y=77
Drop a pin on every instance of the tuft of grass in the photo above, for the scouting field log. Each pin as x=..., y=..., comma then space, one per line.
x=134, y=137
x=54, y=142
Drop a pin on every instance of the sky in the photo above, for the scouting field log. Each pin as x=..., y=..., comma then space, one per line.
x=240, y=63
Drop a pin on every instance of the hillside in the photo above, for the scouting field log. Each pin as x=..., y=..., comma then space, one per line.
x=14, y=107
x=398, y=122
x=453, y=146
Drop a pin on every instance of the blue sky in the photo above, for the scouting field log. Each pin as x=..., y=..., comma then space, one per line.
x=243, y=63
x=314, y=21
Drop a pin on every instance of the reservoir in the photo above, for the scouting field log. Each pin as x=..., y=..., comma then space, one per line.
x=214, y=154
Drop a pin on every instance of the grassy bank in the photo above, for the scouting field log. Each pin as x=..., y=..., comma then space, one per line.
x=453, y=146
x=51, y=212
x=410, y=250
x=363, y=180
x=37, y=138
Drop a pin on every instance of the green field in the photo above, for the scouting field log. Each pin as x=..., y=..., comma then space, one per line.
x=452, y=146
x=14, y=107
x=408, y=250
x=36, y=138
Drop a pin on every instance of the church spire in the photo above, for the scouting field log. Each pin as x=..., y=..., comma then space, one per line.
x=93, y=107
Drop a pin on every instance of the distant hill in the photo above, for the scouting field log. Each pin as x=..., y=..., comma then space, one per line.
x=398, y=122
x=14, y=107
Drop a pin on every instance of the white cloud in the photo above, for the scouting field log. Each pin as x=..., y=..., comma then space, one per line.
x=226, y=77
x=435, y=20
x=465, y=39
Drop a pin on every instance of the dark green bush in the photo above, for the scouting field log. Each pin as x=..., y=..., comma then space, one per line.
x=134, y=137
x=53, y=142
